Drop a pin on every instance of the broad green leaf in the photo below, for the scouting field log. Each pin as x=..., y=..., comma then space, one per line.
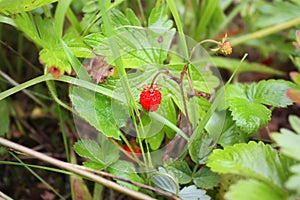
x=215, y=125
x=17, y=6
x=181, y=171
x=252, y=160
x=231, y=134
x=271, y=92
x=99, y=155
x=288, y=142
x=125, y=170
x=205, y=178
x=253, y=190
x=201, y=147
x=4, y=118
x=164, y=181
x=192, y=192
x=246, y=102
x=156, y=140
x=97, y=109
x=138, y=46
x=249, y=116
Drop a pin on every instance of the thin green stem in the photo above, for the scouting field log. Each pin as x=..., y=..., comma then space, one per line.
x=143, y=18
x=176, y=17
x=265, y=32
x=72, y=18
x=14, y=83
x=37, y=176
x=37, y=167
x=25, y=85
x=52, y=90
x=63, y=131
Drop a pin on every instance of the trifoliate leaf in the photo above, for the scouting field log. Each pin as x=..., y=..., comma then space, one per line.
x=253, y=190
x=192, y=192
x=252, y=160
x=247, y=102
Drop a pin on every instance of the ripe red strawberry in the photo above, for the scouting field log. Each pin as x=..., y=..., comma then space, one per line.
x=150, y=97
x=136, y=150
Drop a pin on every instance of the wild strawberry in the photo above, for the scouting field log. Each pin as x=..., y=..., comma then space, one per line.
x=136, y=150
x=150, y=97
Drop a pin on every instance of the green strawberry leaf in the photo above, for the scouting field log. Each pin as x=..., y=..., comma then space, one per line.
x=253, y=189
x=246, y=102
x=181, y=171
x=125, y=170
x=252, y=160
x=249, y=116
x=138, y=46
x=271, y=92
x=231, y=134
x=205, y=178
x=201, y=147
x=100, y=154
x=164, y=181
x=192, y=192
x=100, y=111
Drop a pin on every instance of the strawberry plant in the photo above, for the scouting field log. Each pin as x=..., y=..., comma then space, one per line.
x=152, y=115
